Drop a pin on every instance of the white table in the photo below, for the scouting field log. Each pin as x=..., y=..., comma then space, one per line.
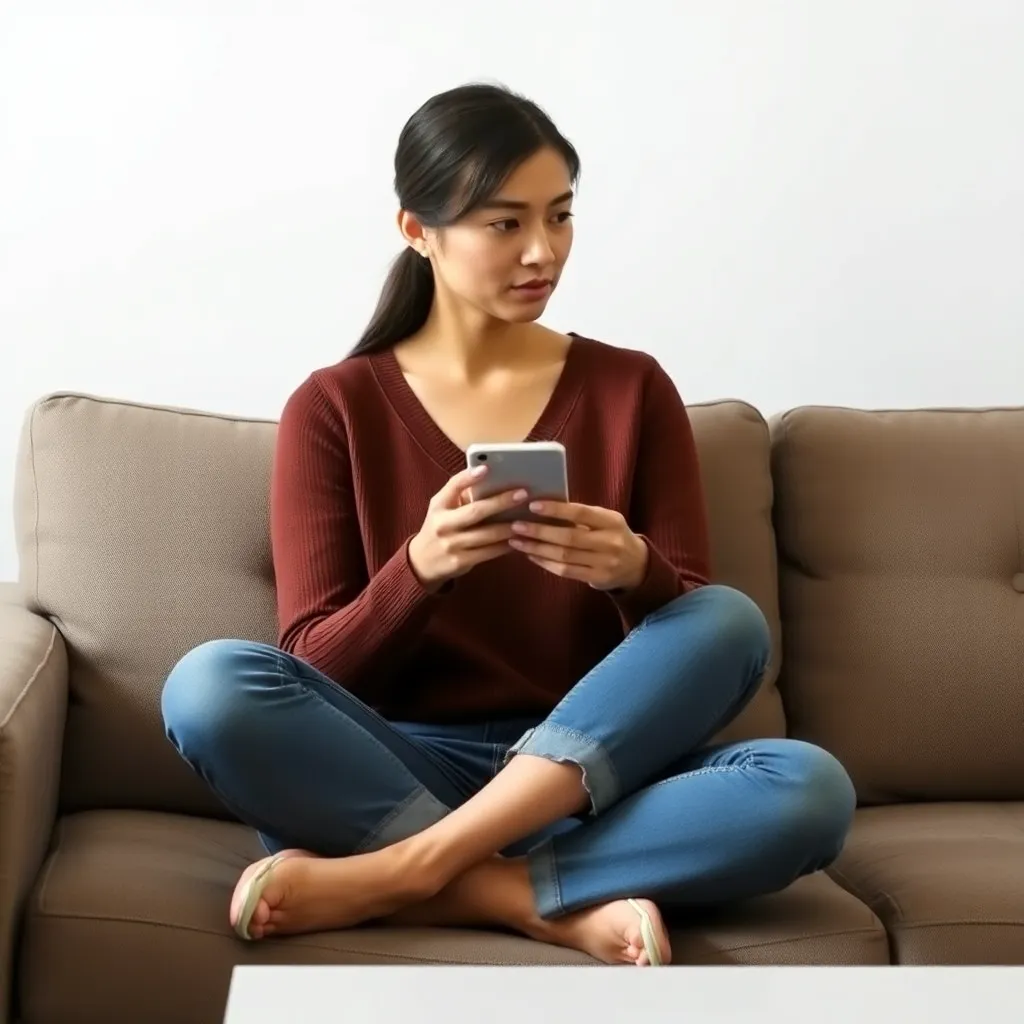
x=592, y=995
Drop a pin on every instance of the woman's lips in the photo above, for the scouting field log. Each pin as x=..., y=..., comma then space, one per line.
x=533, y=289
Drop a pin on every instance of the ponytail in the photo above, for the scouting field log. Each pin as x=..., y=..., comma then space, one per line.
x=403, y=306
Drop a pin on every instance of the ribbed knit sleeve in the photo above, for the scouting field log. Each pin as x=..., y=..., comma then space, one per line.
x=667, y=507
x=355, y=630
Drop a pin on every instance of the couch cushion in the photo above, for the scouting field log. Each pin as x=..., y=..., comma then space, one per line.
x=946, y=879
x=143, y=531
x=131, y=917
x=902, y=593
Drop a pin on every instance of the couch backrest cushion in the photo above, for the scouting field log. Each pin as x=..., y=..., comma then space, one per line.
x=901, y=546
x=735, y=455
x=142, y=531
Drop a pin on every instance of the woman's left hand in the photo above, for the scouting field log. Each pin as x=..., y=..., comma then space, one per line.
x=596, y=546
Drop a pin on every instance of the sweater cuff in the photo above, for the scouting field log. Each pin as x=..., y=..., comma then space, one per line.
x=661, y=584
x=396, y=595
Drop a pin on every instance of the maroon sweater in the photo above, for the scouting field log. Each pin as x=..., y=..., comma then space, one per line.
x=357, y=460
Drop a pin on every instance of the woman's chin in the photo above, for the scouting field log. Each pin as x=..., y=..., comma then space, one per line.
x=522, y=312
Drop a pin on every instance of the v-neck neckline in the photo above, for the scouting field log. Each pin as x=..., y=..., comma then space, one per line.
x=436, y=443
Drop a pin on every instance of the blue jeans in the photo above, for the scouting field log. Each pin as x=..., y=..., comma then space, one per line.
x=671, y=818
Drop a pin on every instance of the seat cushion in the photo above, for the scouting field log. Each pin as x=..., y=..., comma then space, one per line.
x=946, y=879
x=129, y=923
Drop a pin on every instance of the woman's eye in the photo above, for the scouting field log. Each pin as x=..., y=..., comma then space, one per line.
x=510, y=224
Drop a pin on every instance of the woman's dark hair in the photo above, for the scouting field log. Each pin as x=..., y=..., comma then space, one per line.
x=453, y=153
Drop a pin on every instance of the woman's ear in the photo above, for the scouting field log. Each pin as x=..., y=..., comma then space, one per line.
x=413, y=232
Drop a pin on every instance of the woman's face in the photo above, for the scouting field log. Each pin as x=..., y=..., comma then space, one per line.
x=505, y=258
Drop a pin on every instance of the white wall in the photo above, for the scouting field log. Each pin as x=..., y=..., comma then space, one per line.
x=788, y=202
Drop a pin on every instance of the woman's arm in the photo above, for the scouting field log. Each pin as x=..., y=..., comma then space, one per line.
x=354, y=629
x=667, y=508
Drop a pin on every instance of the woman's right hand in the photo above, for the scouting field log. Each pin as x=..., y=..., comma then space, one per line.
x=453, y=538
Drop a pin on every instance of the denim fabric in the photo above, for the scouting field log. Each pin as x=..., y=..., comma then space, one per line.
x=308, y=765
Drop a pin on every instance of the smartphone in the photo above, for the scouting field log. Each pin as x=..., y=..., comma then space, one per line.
x=539, y=467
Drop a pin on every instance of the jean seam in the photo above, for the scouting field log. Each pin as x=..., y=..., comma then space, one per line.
x=556, y=882
x=544, y=869
x=751, y=760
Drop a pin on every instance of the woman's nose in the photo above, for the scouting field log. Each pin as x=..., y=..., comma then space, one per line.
x=539, y=249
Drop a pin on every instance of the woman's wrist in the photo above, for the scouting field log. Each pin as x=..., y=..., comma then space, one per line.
x=640, y=561
x=432, y=585
x=413, y=555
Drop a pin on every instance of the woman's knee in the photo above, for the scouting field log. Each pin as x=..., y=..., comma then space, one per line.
x=821, y=800
x=732, y=620
x=207, y=695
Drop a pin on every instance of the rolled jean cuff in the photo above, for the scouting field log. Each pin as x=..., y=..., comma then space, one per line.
x=416, y=813
x=557, y=743
x=547, y=896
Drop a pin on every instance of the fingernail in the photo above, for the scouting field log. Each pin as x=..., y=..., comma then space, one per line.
x=479, y=470
x=520, y=495
x=537, y=506
x=520, y=527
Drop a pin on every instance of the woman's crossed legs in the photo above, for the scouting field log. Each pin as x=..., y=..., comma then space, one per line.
x=613, y=797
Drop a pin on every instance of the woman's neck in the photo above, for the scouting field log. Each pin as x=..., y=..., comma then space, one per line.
x=472, y=347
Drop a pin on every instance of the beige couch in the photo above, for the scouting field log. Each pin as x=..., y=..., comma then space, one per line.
x=893, y=543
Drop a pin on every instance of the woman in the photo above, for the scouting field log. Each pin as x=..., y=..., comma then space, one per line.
x=495, y=725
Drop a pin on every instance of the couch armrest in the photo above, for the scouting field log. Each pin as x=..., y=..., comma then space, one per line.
x=33, y=705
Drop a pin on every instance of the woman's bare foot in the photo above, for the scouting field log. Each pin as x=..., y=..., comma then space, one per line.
x=497, y=892
x=305, y=893
x=240, y=895
x=610, y=932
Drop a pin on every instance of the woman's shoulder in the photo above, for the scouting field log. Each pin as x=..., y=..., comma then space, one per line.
x=617, y=362
x=332, y=394
x=348, y=376
x=338, y=383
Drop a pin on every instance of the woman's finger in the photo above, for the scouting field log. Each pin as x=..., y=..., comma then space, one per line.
x=558, y=536
x=556, y=552
x=583, y=573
